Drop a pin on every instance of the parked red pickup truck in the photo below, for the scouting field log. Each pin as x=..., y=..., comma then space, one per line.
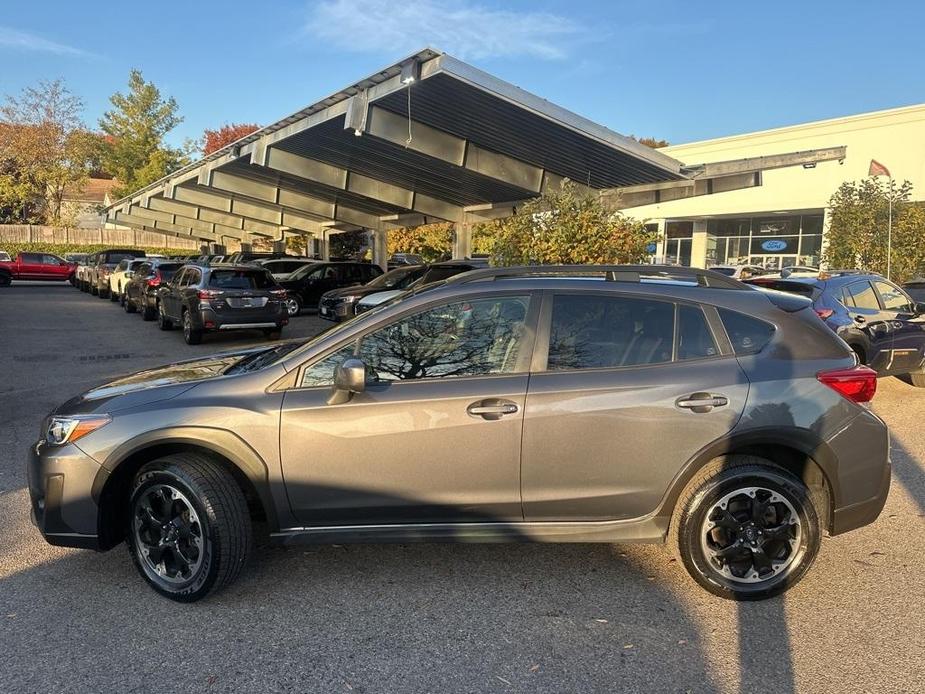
x=35, y=266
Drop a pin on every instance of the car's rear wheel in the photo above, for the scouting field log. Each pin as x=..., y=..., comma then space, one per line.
x=293, y=306
x=163, y=322
x=191, y=335
x=746, y=529
x=5, y=279
x=128, y=305
x=189, y=528
x=148, y=313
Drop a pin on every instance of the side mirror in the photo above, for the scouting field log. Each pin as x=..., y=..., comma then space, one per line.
x=349, y=378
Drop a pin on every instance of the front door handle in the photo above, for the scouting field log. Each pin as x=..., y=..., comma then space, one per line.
x=702, y=402
x=491, y=409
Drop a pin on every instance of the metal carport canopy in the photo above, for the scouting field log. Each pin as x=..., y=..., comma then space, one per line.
x=428, y=138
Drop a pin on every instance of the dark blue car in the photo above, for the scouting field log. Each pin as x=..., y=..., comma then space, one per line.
x=879, y=321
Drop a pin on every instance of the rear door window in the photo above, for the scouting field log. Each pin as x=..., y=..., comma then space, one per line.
x=32, y=258
x=862, y=295
x=695, y=339
x=591, y=331
x=748, y=335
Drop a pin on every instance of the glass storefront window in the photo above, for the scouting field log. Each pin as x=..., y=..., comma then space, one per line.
x=679, y=230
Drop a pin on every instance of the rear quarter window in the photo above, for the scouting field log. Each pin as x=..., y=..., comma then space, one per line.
x=748, y=335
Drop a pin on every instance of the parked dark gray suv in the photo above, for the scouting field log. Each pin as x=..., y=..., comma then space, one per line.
x=552, y=404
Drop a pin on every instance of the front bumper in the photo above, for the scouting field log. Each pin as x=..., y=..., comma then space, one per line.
x=62, y=489
x=335, y=310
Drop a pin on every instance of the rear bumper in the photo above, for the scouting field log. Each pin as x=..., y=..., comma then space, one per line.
x=274, y=318
x=864, y=512
x=61, y=492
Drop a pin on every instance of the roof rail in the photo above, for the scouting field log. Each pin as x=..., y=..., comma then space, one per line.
x=612, y=273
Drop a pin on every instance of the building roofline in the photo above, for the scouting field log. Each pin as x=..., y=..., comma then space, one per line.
x=786, y=129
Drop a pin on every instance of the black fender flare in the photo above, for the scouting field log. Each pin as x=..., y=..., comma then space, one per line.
x=803, y=441
x=222, y=442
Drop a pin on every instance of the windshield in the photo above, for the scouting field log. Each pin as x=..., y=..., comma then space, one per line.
x=395, y=278
x=241, y=279
x=435, y=273
x=728, y=271
x=264, y=358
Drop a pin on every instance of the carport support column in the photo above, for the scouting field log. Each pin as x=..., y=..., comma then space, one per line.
x=661, y=244
x=381, y=246
x=699, y=244
x=462, y=238
x=325, y=244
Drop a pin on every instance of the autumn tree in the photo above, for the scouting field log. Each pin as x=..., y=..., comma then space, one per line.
x=44, y=149
x=858, y=225
x=214, y=140
x=652, y=142
x=567, y=225
x=136, y=125
x=430, y=241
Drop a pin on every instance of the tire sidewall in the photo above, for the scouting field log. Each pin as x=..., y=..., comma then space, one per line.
x=725, y=482
x=203, y=580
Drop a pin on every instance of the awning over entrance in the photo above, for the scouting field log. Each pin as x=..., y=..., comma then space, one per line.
x=427, y=139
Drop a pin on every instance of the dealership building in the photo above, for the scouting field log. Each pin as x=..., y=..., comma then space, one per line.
x=433, y=139
x=782, y=219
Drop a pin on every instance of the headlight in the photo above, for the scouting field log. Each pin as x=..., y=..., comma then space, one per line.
x=351, y=298
x=62, y=430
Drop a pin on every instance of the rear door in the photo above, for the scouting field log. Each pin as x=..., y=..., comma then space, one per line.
x=906, y=325
x=31, y=267
x=872, y=321
x=620, y=401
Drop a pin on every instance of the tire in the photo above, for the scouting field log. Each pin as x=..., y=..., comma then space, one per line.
x=163, y=322
x=189, y=528
x=191, y=335
x=103, y=292
x=128, y=305
x=94, y=290
x=272, y=333
x=148, y=313
x=293, y=306
x=5, y=279
x=84, y=287
x=113, y=296
x=713, y=515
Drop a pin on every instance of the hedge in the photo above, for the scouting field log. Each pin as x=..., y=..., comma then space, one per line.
x=62, y=249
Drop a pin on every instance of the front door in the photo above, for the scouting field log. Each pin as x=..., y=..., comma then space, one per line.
x=623, y=403
x=436, y=435
x=906, y=326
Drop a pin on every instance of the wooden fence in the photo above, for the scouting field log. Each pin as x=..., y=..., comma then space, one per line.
x=36, y=233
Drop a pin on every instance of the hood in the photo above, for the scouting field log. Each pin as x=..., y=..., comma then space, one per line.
x=376, y=298
x=355, y=290
x=151, y=385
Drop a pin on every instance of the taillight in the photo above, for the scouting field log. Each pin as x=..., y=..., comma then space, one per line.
x=208, y=293
x=857, y=383
x=824, y=313
x=155, y=281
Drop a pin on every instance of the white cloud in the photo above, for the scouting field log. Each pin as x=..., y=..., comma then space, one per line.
x=464, y=29
x=22, y=40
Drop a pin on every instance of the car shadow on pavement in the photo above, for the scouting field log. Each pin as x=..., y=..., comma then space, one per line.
x=411, y=617
x=909, y=472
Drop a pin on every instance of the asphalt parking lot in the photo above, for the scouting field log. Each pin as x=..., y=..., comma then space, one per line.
x=498, y=618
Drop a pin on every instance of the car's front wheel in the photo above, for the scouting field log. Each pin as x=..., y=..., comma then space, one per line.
x=163, y=322
x=189, y=527
x=746, y=529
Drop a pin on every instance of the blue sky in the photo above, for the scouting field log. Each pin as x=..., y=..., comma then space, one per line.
x=680, y=71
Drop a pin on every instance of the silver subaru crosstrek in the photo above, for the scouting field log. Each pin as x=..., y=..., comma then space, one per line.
x=551, y=404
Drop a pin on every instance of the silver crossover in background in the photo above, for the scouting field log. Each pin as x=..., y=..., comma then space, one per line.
x=554, y=404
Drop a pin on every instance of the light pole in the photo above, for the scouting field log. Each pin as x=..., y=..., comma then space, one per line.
x=878, y=169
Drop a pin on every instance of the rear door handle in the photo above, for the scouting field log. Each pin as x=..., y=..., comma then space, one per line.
x=492, y=409
x=702, y=402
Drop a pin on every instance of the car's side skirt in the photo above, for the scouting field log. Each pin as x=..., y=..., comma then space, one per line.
x=647, y=530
